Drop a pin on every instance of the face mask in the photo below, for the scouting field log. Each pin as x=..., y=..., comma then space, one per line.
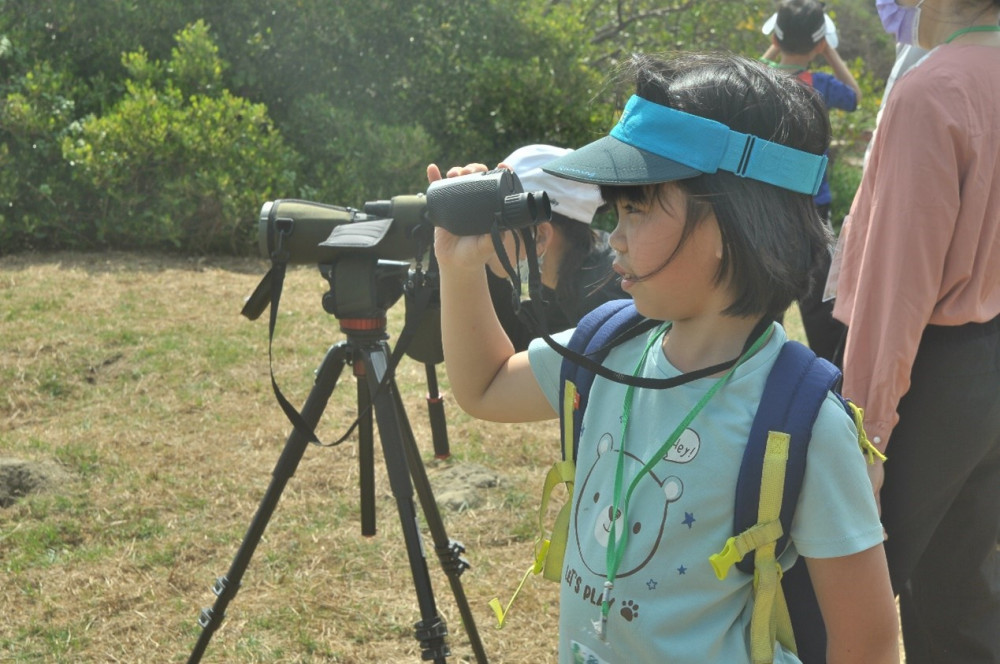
x=900, y=22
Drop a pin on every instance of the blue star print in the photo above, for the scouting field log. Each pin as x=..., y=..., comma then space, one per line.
x=688, y=519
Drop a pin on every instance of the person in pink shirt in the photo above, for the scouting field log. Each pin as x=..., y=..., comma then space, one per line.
x=917, y=281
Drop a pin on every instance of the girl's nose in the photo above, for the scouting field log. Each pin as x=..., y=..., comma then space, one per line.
x=617, y=241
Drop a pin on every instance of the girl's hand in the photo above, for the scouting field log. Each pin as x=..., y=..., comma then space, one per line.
x=457, y=252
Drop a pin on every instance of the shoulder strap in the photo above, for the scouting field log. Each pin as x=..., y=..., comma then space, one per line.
x=768, y=488
x=769, y=484
x=593, y=337
x=793, y=394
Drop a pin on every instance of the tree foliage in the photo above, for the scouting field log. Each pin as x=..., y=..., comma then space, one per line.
x=179, y=161
x=166, y=123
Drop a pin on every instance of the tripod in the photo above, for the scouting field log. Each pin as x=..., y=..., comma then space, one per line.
x=366, y=349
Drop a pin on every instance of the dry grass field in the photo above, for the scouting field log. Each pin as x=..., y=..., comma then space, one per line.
x=137, y=415
x=139, y=432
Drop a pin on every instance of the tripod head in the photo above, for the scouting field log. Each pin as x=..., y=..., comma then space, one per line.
x=362, y=287
x=362, y=290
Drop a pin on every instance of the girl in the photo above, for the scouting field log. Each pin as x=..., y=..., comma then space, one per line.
x=718, y=255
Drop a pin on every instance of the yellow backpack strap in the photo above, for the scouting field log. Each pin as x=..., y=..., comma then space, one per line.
x=550, y=549
x=738, y=546
x=769, y=621
x=553, y=548
x=569, y=404
x=499, y=610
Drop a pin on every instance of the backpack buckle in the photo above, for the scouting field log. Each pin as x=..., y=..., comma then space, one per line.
x=725, y=559
x=740, y=545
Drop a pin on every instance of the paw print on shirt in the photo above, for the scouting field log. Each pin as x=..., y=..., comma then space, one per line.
x=629, y=610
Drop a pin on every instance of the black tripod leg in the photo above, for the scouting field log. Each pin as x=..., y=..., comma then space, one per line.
x=431, y=630
x=435, y=411
x=448, y=551
x=226, y=586
x=366, y=453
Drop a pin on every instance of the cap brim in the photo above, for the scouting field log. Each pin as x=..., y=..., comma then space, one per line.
x=610, y=161
x=769, y=24
x=831, y=32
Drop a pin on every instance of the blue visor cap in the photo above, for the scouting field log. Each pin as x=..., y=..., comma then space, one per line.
x=653, y=143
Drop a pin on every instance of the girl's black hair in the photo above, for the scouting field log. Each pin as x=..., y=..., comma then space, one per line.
x=771, y=236
x=578, y=240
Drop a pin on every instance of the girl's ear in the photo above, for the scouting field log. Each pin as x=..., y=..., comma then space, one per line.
x=718, y=238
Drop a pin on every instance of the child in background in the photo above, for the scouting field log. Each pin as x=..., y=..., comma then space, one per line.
x=711, y=169
x=573, y=256
x=800, y=32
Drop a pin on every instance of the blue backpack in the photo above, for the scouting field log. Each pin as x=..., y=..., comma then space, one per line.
x=769, y=482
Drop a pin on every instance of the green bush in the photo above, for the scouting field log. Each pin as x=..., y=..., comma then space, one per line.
x=179, y=162
x=851, y=133
x=845, y=176
x=35, y=184
x=168, y=147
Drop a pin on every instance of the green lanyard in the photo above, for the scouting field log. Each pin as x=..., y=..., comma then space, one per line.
x=792, y=69
x=616, y=548
x=973, y=28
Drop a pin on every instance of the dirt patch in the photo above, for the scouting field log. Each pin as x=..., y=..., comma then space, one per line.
x=19, y=478
x=463, y=486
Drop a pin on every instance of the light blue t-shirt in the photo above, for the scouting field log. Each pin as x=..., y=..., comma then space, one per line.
x=667, y=604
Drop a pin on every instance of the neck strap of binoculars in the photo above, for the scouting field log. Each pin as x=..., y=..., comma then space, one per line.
x=531, y=312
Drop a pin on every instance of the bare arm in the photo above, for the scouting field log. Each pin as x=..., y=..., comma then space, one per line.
x=840, y=70
x=489, y=380
x=858, y=608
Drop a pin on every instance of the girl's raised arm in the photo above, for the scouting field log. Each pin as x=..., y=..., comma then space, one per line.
x=489, y=380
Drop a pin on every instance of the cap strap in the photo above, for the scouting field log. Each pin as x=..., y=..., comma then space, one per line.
x=708, y=146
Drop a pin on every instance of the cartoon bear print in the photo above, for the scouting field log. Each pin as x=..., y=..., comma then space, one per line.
x=594, y=513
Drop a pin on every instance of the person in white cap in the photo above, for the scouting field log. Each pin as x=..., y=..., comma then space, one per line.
x=801, y=31
x=574, y=257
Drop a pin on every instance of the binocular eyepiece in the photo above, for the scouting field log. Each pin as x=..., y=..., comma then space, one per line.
x=400, y=228
x=470, y=204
